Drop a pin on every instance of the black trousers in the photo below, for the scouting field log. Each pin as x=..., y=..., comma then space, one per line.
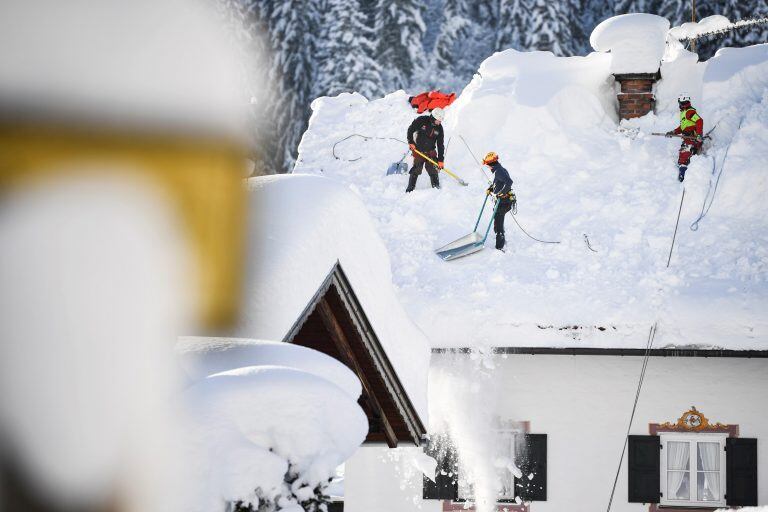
x=418, y=165
x=498, y=221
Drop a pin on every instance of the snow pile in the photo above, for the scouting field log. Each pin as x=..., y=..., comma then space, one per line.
x=303, y=225
x=611, y=200
x=692, y=29
x=270, y=413
x=636, y=42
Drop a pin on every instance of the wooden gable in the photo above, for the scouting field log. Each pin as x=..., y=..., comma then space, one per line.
x=335, y=324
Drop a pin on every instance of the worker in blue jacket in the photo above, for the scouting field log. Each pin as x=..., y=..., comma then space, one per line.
x=502, y=189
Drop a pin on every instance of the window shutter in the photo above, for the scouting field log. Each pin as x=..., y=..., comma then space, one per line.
x=741, y=471
x=643, y=461
x=446, y=484
x=531, y=459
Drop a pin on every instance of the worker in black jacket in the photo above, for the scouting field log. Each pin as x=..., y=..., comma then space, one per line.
x=426, y=135
x=502, y=189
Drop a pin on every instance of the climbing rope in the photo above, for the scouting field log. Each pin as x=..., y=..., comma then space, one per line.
x=589, y=246
x=514, y=205
x=704, y=207
x=475, y=158
x=529, y=236
x=648, y=345
x=677, y=222
x=364, y=137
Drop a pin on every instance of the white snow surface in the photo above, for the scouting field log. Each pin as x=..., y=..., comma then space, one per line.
x=201, y=357
x=553, y=123
x=636, y=41
x=303, y=225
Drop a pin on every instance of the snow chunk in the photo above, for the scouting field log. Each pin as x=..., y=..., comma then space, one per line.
x=201, y=357
x=636, y=42
x=693, y=29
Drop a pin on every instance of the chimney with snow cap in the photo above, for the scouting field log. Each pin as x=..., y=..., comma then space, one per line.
x=636, y=43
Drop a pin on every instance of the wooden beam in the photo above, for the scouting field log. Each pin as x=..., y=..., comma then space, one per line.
x=345, y=349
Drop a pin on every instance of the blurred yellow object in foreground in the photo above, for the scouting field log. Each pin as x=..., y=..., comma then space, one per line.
x=201, y=177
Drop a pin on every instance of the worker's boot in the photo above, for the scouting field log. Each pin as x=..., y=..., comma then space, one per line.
x=681, y=173
x=435, y=180
x=411, y=182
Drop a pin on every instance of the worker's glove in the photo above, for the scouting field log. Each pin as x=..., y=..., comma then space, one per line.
x=512, y=197
x=441, y=164
x=489, y=191
x=411, y=146
x=669, y=134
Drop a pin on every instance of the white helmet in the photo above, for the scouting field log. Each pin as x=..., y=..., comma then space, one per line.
x=438, y=113
x=684, y=97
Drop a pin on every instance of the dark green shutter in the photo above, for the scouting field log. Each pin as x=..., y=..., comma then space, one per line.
x=741, y=472
x=446, y=484
x=643, y=459
x=531, y=459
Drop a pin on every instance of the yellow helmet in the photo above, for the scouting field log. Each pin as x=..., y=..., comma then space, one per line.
x=490, y=158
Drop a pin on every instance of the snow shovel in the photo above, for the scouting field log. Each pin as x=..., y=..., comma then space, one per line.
x=398, y=167
x=446, y=171
x=468, y=244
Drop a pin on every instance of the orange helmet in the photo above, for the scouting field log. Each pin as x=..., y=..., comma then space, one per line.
x=490, y=158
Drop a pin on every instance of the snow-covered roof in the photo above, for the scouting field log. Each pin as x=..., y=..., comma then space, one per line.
x=301, y=226
x=636, y=42
x=610, y=198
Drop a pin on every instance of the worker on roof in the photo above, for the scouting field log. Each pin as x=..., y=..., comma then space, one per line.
x=501, y=188
x=425, y=135
x=692, y=129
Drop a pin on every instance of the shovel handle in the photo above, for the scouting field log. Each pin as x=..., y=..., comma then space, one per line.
x=449, y=173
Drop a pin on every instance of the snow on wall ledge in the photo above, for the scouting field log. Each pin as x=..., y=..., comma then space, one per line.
x=303, y=225
x=636, y=42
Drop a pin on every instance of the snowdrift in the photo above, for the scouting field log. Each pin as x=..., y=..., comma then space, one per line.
x=610, y=197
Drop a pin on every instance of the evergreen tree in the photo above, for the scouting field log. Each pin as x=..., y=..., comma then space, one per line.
x=676, y=11
x=401, y=28
x=454, y=32
x=292, y=29
x=347, y=53
x=550, y=27
x=737, y=10
x=514, y=17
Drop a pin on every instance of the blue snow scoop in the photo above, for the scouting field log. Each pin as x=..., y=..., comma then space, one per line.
x=398, y=167
x=468, y=244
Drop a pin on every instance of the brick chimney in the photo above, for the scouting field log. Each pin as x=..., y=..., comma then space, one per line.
x=636, y=97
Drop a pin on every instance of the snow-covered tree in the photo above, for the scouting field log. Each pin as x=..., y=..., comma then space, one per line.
x=514, y=17
x=454, y=32
x=347, y=52
x=292, y=31
x=550, y=27
x=400, y=28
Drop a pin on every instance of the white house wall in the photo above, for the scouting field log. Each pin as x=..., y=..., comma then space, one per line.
x=583, y=404
x=377, y=478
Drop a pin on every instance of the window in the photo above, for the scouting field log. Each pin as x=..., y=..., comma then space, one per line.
x=693, y=470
